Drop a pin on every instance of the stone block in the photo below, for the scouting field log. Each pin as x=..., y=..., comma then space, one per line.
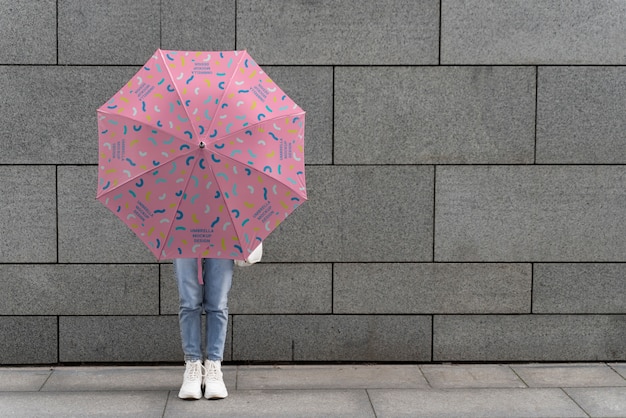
x=529, y=337
x=114, y=32
x=52, y=114
x=600, y=402
x=359, y=213
x=169, y=290
x=434, y=115
x=266, y=289
x=347, y=32
x=414, y=288
x=282, y=289
x=319, y=377
x=331, y=338
x=471, y=403
x=28, y=32
x=466, y=376
x=568, y=375
x=28, y=219
x=198, y=25
x=538, y=213
x=78, y=289
x=124, y=339
x=119, y=339
x=312, y=89
x=533, y=32
x=28, y=340
x=579, y=115
x=88, y=231
x=579, y=288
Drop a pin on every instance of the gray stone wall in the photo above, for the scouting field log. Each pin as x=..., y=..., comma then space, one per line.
x=465, y=166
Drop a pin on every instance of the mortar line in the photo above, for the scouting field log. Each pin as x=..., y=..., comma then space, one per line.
x=232, y=336
x=440, y=29
x=159, y=289
x=58, y=339
x=574, y=400
x=160, y=24
x=432, y=337
x=57, y=22
x=434, y=208
x=167, y=398
x=56, y=198
x=336, y=65
x=147, y=263
x=371, y=403
x=332, y=132
x=532, y=285
x=536, y=110
x=332, y=288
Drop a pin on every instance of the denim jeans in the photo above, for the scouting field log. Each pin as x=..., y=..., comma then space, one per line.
x=212, y=297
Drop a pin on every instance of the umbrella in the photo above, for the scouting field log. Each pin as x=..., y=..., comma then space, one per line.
x=201, y=154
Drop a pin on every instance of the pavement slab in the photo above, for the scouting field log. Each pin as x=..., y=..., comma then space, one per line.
x=471, y=376
x=123, y=378
x=83, y=404
x=619, y=368
x=568, y=375
x=330, y=377
x=322, y=390
x=474, y=403
x=276, y=403
x=600, y=402
x=22, y=379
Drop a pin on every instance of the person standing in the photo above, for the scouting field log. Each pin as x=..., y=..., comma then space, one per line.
x=212, y=298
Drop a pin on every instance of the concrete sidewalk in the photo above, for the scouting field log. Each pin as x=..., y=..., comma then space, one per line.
x=458, y=390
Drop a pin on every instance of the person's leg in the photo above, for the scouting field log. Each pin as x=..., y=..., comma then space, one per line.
x=190, y=320
x=190, y=294
x=218, y=275
x=217, y=281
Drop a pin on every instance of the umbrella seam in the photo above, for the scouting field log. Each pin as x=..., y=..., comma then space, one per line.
x=235, y=227
x=167, y=68
x=180, y=201
x=244, y=53
x=148, y=170
x=300, y=112
x=266, y=175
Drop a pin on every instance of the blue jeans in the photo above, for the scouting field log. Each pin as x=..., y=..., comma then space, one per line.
x=212, y=297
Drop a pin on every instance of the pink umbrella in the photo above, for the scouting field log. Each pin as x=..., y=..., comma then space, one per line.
x=201, y=154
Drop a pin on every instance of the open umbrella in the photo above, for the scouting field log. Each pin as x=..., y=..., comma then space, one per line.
x=201, y=154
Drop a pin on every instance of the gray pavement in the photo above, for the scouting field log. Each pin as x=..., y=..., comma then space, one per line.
x=428, y=390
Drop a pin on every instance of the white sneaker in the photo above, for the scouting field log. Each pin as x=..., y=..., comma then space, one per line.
x=192, y=381
x=214, y=387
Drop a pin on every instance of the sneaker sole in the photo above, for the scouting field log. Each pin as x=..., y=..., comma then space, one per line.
x=190, y=396
x=215, y=396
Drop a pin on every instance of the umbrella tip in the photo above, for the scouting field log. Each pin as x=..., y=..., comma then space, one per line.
x=202, y=144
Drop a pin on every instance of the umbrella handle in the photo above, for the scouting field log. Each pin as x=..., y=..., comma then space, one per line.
x=200, y=264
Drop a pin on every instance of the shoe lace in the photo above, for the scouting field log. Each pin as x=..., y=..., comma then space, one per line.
x=194, y=371
x=211, y=371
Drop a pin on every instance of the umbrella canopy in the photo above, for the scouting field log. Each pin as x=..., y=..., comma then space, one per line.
x=201, y=154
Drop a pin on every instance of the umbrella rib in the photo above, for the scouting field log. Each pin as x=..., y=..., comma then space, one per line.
x=180, y=201
x=147, y=170
x=254, y=168
x=167, y=68
x=299, y=112
x=223, y=94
